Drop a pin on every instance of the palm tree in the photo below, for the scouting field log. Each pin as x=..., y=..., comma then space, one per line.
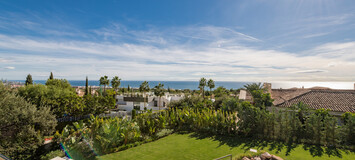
x=104, y=81
x=211, y=85
x=202, y=86
x=144, y=87
x=116, y=82
x=159, y=91
x=250, y=87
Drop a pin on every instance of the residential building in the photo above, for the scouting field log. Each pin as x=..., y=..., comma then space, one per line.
x=130, y=102
x=338, y=101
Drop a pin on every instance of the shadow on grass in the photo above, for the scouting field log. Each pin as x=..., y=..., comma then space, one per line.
x=317, y=150
x=260, y=144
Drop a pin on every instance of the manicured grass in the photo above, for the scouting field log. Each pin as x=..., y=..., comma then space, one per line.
x=193, y=146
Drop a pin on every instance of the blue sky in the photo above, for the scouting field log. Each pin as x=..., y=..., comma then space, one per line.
x=227, y=40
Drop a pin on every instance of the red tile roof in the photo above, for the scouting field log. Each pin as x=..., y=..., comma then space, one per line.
x=335, y=100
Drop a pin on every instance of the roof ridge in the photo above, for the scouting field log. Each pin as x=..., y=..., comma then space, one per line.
x=337, y=91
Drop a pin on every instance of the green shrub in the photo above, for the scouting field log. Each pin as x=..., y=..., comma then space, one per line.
x=102, y=134
x=22, y=125
x=53, y=154
x=164, y=132
x=133, y=114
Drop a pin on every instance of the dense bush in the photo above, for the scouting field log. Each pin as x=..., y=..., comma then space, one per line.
x=151, y=123
x=53, y=154
x=296, y=124
x=192, y=102
x=22, y=125
x=97, y=104
x=63, y=100
x=60, y=83
x=133, y=114
x=100, y=135
x=206, y=120
x=220, y=92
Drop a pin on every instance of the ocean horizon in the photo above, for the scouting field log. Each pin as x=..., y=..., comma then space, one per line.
x=227, y=84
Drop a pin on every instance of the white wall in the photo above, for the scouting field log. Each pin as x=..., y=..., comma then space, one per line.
x=150, y=104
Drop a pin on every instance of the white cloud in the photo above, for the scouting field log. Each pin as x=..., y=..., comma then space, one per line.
x=222, y=54
x=3, y=60
x=203, y=74
x=315, y=35
x=311, y=71
x=9, y=67
x=344, y=51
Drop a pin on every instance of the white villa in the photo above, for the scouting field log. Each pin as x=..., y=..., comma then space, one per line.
x=128, y=103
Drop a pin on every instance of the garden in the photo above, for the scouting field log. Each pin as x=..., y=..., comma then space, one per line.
x=195, y=126
x=195, y=146
x=316, y=132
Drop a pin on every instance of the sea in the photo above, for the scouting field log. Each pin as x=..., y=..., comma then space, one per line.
x=226, y=84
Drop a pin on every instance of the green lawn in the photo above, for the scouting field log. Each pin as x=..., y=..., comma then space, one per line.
x=192, y=146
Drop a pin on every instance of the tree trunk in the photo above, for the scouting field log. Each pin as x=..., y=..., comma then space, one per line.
x=144, y=99
x=211, y=92
x=203, y=92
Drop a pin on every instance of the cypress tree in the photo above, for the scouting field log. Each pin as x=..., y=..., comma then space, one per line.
x=29, y=80
x=330, y=131
x=133, y=113
x=273, y=122
x=280, y=126
x=87, y=86
x=51, y=76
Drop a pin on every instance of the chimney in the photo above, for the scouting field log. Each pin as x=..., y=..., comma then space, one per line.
x=267, y=86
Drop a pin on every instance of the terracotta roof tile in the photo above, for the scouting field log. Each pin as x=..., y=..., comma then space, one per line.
x=282, y=95
x=335, y=100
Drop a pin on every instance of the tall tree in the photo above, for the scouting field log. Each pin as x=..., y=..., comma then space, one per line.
x=51, y=76
x=22, y=125
x=144, y=87
x=29, y=80
x=202, y=86
x=116, y=82
x=105, y=82
x=87, y=86
x=59, y=96
x=261, y=99
x=61, y=83
x=211, y=85
x=159, y=91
